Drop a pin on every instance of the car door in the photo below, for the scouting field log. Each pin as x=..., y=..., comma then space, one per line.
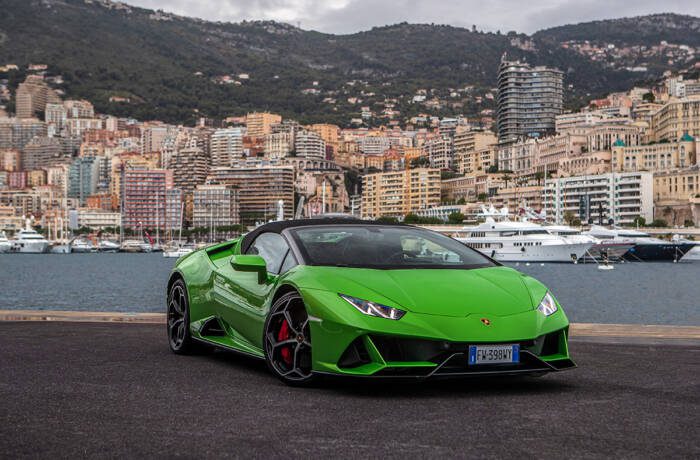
x=243, y=304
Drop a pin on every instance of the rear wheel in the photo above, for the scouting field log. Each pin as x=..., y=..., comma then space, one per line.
x=288, y=341
x=179, y=336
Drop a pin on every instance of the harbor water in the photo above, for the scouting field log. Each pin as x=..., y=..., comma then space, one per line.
x=635, y=293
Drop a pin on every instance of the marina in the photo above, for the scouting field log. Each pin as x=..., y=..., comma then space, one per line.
x=633, y=293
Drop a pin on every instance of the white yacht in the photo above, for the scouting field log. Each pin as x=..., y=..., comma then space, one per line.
x=177, y=251
x=108, y=246
x=82, y=245
x=28, y=241
x=692, y=255
x=132, y=246
x=5, y=244
x=510, y=241
x=611, y=249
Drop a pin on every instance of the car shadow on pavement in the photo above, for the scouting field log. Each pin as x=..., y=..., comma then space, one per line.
x=466, y=386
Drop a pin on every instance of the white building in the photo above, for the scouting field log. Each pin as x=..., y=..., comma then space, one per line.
x=279, y=144
x=620, y=197
x=98, y=219
x=226, y=146
x=374, y=145
x=215, y=206
x=440, y=152
x=309, y=145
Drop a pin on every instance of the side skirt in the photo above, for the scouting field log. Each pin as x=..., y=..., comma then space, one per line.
x=228, y=348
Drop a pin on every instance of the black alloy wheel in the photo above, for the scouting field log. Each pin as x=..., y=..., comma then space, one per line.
x=287, y=341
x=179, y=336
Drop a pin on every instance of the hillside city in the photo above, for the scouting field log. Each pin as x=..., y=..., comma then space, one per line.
x=630, y=158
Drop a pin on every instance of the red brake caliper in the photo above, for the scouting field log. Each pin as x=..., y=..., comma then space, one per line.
x=286, y=351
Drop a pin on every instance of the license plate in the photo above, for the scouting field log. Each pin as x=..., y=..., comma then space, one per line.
x=494, y=354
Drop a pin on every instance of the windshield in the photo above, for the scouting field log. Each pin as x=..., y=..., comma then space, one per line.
x=386, y=247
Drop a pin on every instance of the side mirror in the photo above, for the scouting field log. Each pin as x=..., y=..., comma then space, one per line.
x=250, y=263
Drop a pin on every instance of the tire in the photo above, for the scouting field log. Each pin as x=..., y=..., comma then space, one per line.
x=287, y=341
x=178, y=320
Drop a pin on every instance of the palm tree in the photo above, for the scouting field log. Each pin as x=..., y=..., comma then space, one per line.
x=506, y=178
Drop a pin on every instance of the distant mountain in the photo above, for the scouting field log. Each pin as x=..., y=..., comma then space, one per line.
x=174, y=68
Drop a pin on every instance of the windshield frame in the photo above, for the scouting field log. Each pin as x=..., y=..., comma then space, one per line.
x=304, y=259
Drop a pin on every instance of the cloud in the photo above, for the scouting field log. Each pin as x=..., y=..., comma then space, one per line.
x=348, y=16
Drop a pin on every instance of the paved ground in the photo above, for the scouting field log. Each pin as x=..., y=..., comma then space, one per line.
x=115, y=390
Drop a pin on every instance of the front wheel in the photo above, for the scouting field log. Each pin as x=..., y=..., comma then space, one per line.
x=179, y=336
x=288, y=341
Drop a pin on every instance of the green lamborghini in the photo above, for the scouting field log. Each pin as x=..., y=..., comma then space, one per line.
x=347, y=297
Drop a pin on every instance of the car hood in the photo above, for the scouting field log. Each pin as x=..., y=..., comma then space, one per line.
x=496, y=290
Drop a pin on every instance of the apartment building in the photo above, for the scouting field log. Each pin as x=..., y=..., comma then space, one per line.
x=261, y=185
x=215, y=206
x=439, y=152
x=676, y=118
x=16, y=133
x=190, y=167
x=144, y=198
x=32, y=96
x=258, y=124
x=42, y=152
x=279, y=145
x=308, y=144
x=399, y=193
x=616, y=197
x=529, y=99
x=655, y=157
x=226, y=146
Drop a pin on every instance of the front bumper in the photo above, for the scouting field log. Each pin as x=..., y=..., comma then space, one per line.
x=418, y=345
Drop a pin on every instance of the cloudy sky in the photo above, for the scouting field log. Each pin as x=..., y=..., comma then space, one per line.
x=346, y=16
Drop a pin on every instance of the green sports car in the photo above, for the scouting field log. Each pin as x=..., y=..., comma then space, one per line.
x=349, y=297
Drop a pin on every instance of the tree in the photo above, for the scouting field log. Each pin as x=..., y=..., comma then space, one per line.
x=569, y=218
x=688, y=223
x=455, y=218
x=659, y=223
x=639, y=221
x=482, y=197
x=648, y=97
x=506, y=178
x=539, y=176
x=462, y=201
x=492, y=169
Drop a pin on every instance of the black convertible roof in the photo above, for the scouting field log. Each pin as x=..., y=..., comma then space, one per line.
x=278, y=226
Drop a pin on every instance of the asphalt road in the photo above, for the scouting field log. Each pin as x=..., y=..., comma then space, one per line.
x=115, y=390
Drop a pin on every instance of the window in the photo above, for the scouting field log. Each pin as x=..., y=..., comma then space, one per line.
x=289, y=262
x=271, y=247
x=383, y=247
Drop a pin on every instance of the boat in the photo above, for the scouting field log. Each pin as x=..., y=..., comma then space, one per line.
x=108, y=246
x=5, y=244
x=613, y=250
x=693, y=255
x=82, y=245
x=510, y=241
x=177, y=251
x=133, y=246
x=29, y=241
x=60, y=248
x=646, y=248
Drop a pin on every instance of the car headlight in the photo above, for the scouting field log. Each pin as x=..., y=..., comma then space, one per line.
x=373, y=308
x=548, y=306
